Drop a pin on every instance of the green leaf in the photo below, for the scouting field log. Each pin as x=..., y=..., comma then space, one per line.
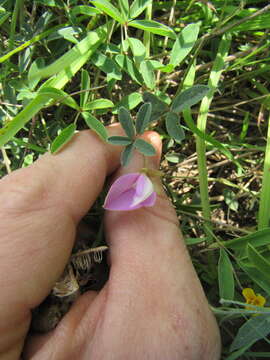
x=257, y=239
x=84, y=10
x=30, y=42
x=259, y=23
x=26, y=94
x=158, y=107
x=38, y=64
x=98, y=104
x=258, y=261
x=184, y=43
x=259, y=278
x=236, y=355
x=157, y=65
x=190, y=123
x=126, y=122
x=189, y=97
x=173, y=127
x=95, y=125
x=119, y=140
x=174, y=158
x=230, y=199
x=138, y=6
x=109, y=9
x=107, y=65
x=256, y=328
x=85, y=85
x=53, y=3
x=143, y=117
x=129, y=102
x=59, y=96
x=63, y=138
x=124, y=6
x=68, y=33
x=4, y=17
x=144, y=147
x=137, y=48
x=126, y=155
x=225, y=276
x=28, y=145
x=148, y=74
x=128, y=66
x=81, y=50
x=153, y=27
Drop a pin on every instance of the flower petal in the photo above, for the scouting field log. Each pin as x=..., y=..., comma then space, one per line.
x=119, y=187
x=261, y=300
x=123, y=202
x=144, y=188
x=150, y=201
x=130, y=192
x=248, y=294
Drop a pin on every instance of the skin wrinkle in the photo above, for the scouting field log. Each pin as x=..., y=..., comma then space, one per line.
x=17, y=199
x=163, y=201
x=36, y=250
x=131, y=221
x=129, y=310
x=122, y=241
x=38, y=193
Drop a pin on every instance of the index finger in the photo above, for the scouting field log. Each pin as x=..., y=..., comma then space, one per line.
x=40, y=207
x=70, y=180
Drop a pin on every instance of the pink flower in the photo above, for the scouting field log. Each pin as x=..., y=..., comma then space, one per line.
x=130, y=192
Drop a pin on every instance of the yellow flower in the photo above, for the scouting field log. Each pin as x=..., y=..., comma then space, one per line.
x=252, y=298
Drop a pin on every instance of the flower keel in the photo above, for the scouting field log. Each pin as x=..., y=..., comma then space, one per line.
x=130, y=192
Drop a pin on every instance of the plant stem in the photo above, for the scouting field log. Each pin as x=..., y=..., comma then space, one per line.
x=17, y=7
x=30, y=42
x=201, y=124
x=264, y=207
x=6, y=160
x=147, y=35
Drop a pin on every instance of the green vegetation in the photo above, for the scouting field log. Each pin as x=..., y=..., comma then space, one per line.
x=197, y=72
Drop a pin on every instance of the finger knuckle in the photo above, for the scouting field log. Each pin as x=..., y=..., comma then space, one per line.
x=20, y=193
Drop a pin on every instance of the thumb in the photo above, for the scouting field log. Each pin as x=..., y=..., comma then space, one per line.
x=146, y=231
x=128, y=229
x=151, y=271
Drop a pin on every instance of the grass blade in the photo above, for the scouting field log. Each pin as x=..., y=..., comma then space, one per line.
x=91, y=41
x=264, y=207
x=34, y=106
x=202, y=120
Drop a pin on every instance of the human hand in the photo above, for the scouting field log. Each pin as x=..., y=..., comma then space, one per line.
x=152, y=306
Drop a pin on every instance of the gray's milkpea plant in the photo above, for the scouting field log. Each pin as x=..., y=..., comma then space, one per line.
x=152, y=110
